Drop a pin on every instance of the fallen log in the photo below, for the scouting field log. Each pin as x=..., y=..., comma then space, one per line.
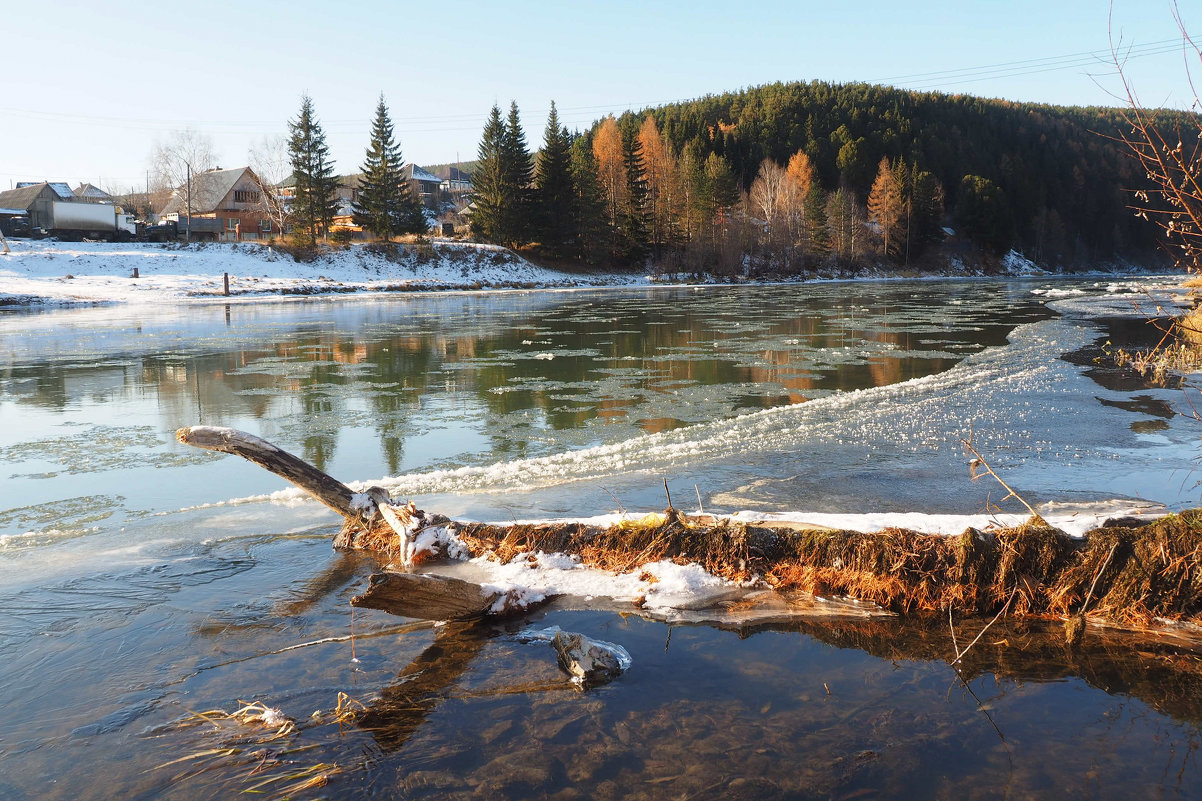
x=1133, y=575
x=427, y=597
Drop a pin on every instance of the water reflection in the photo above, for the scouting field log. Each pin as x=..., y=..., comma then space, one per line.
x=505, y=379
x=804, y=708
x=781, y=715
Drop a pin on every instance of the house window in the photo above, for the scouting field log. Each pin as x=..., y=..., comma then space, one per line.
x=231, y=223
x=246, y=196
x=265, y=226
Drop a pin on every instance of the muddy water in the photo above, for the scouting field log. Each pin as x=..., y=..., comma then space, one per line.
x=142, y=584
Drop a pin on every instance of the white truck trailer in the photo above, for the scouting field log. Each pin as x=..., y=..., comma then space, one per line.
x=92, y=220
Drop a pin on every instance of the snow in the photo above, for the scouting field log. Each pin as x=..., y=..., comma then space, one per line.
x=51, y=272
x=514, y=597
x=1074, y=523
x=532, y=577
x=362, y=504
x=1015, y=263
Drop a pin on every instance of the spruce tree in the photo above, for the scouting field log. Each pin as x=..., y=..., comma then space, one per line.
x=556, y=191
x=926, y=199
x=635, y=223
x=590, y=203
x=386, y=205
x=719, y=191
x=518, y=171
x=488, y=181
x=315, y=203
x=982, y=213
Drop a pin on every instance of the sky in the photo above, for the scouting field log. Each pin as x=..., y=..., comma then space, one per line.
x=93, y=87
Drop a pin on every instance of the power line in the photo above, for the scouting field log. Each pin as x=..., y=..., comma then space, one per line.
x=447, y=123
x=1052, y=62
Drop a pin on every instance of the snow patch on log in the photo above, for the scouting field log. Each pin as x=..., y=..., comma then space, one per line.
x=513, y=598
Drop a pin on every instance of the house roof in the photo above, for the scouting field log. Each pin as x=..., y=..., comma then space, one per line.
x=353, y=180
x=451, y=172
x=60, y=188
x=25, y=196
x=91, y=192
x=415, y=173
x=208, y=190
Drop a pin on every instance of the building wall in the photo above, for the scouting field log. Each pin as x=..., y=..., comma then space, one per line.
x=40, y=214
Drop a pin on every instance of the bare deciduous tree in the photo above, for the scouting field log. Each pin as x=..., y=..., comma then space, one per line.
x=271, y=165
x=773, y=198
x=1169, y=148
x=183, y=151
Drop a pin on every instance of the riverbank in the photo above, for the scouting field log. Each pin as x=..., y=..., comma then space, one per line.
x=47, y=272
x=51, y=273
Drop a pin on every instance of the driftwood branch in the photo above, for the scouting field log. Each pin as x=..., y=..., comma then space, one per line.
x=330, y=491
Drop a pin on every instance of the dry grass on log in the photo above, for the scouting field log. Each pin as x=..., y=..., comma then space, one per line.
x=725, y=549
x=1137, y=574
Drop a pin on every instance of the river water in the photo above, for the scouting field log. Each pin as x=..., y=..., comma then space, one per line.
x=142, y=582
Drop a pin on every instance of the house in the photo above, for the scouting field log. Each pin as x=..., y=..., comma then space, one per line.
x=36, y=199
x=226, y=205
x=90, y=193
x=60, y=188
x=346, y=192
x=453, y=181
x=423, y=183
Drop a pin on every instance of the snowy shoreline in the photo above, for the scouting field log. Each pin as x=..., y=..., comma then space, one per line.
x=47, y=273
x=50, y=273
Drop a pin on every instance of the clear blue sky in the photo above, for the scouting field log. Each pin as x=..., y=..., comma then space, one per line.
x=90, y=86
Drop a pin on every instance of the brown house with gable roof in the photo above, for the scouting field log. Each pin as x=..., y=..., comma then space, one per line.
x=225, y=205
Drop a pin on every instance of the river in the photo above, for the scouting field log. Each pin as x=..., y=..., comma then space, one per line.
x=142, y=582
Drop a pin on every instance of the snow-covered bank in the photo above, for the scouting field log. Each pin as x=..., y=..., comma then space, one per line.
x=50, y=272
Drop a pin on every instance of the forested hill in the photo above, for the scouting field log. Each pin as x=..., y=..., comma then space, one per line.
x=1065, y=181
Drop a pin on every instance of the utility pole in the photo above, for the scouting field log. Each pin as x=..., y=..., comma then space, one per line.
x=188, y=194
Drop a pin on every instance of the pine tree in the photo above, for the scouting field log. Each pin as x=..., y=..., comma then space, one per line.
x=817, y=243
x=518, y=170
x=692, y=187
x=982, y=213
x=635, y=224
x=488, y=181
x=501, y=185
x=386, y=205
x=315, y=203
x=590, y=207
x=721, y=191
x=557, y=200
x=926, y=203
